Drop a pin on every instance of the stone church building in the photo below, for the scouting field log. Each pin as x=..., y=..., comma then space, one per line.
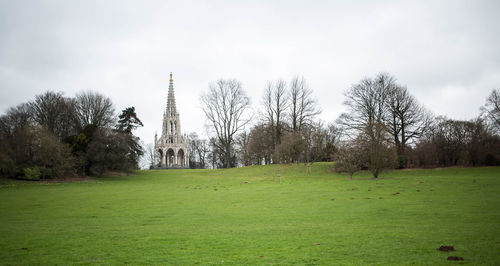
x=172, y=148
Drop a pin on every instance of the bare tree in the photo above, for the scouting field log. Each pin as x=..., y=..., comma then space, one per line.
x=203, y=149
x=275, y=102
x=215, y=154
x=491, y=110
x=261, y=144
x=224, y=106
x=457, y=142
x=303, y=108
x=149, y=156
x=16, y=118
x=350, y=157
x=93, y=108
x=334, y=133
x=320, y=146
x=243, y=148
x=291, y=149
x=406, y=119
x=199, y=150
x=54, y=112
x=366, y=103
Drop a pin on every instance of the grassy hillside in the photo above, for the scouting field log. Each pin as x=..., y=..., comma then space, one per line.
x=244, y=216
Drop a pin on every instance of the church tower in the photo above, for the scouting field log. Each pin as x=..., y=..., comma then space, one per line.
x=172, y=148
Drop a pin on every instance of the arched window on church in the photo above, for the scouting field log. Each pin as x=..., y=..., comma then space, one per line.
x=171, y=128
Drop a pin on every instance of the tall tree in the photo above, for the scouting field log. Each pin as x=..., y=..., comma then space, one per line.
x=303, y=107
x=128, y=120
x=199, y=151
x=406, y=119
x=224, y=106
x=149, y=153
x=53, y=111
x=93, y=108
x=366, y=104
x=243, y=148
x=491, y=110
x=275, y=103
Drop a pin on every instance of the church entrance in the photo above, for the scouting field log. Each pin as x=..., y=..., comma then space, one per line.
x=180, y=158
x=170, y=158
x=160, y=154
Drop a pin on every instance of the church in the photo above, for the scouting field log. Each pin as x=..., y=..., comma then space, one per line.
x=172, y=148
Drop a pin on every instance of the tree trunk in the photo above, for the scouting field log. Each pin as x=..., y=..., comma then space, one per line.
x=228, y=155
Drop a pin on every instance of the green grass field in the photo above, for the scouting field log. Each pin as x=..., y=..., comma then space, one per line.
x=245, y=216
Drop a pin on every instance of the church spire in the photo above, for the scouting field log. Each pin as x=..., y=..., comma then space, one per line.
x=172, y=148
x=171, y=110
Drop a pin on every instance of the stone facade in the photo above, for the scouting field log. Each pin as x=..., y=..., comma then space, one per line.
x=172, y=148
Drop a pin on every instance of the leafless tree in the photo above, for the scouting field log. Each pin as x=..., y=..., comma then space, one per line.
x=334, y=133
x=16, y=118
x=302, y=108
x=456, y=142
x=202, y=150
x=406, y=120
x=243, y=148
x=149, y=156
x=491, y=110
x=199, y=150
x=93, y=108
x=291, y=149
x=224, y=106
x=261, y=144
x=54, y=112
x=275, y=103
x=350, y=157
x=366, y=103
x=215, y=154
x=320, y=146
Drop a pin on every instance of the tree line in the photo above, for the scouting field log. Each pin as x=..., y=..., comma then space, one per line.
x=56, y=136
x=383, y=126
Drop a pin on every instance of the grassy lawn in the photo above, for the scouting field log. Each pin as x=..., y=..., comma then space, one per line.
x=244, y=216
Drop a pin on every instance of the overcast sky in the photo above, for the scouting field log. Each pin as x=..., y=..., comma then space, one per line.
x=446, y=52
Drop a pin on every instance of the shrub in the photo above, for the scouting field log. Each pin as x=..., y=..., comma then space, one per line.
x=402, y=162
x=32, y=173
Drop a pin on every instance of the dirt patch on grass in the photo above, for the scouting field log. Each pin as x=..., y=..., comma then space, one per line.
x=455, y=258
x=446, y=248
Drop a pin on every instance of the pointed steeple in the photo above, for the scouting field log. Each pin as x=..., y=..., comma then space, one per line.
x=171, y=110
x=172, y=148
